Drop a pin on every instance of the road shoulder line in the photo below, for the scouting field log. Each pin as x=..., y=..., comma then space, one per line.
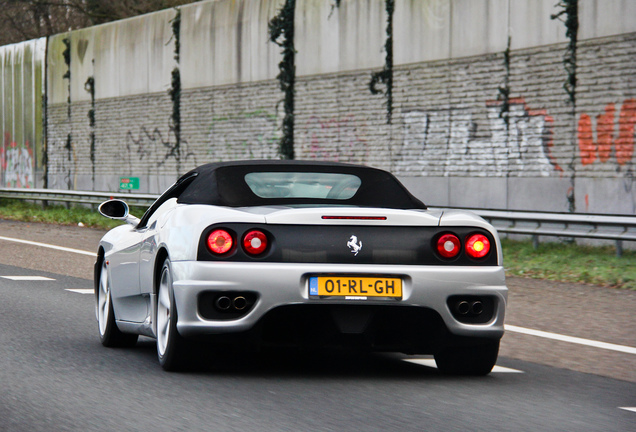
x=45, y=245
x=571, y=339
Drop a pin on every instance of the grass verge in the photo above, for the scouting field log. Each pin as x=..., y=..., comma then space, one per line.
x=556, y=261
x=569, y=262
x=20, y=210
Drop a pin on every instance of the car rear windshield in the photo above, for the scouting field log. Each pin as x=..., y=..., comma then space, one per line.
x=317, y=185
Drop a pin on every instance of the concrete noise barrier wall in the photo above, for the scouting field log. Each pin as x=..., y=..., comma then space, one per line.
x=22, y=69
x=478, y=103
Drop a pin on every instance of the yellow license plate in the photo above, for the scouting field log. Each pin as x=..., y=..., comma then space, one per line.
x=355, y=286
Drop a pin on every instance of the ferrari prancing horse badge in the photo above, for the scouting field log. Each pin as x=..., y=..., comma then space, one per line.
x=354, y=245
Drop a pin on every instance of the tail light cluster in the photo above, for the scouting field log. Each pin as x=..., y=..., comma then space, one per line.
x=222, y=242
x=449, y=245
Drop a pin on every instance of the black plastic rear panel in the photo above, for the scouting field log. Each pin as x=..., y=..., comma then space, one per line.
x=328, y=244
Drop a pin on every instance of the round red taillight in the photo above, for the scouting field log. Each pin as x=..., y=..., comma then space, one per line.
x=477, y=246
x=220, y=241
x=255, y=242
x=448, y=245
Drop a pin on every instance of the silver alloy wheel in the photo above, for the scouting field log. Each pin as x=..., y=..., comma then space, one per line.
x=103, y=300
x=164, y=309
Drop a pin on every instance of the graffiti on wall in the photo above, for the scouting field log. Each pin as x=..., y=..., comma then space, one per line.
x=614, y=137
x=17, y=164
x=449, y=142
x=62, y=164
x=247, y=135
x=152, y=150
x=611, y=141
x=321, y=134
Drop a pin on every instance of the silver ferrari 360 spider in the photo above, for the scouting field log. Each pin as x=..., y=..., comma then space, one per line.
x=301, y=254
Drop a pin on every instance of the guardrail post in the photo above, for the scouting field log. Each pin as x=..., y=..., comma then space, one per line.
x=619, y=248
x=535, y=242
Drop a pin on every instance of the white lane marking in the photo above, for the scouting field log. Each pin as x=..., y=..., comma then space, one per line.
x=571, y=339
x=61, y=248
x=632, y=409
x=80, y=291
x=501, y=369
x=27, y=278
x=431, y=364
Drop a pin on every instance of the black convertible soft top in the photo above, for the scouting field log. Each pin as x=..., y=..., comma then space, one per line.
x=224, y=184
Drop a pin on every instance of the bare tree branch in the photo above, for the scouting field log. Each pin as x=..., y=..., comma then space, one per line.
x=29, y=19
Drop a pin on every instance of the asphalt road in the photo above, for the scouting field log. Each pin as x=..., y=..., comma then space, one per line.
x=56, y=376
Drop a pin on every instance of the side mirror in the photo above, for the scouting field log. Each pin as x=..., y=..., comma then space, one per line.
x=118, y=210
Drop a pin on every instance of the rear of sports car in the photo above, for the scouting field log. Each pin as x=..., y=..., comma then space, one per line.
x=303, y=253
x=416, y=281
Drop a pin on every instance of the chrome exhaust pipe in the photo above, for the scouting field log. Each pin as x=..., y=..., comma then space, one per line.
x=477, y=307
x=223, y=303
x=239, y=303
x=463, y=307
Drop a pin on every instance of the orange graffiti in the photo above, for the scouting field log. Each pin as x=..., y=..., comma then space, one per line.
x=605, y=132
x=605, y=128
x=587, y=148
x=625, y=141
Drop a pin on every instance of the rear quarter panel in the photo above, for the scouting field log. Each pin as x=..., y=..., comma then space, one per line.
x=180, y=230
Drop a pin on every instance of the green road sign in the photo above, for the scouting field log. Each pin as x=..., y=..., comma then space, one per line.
x=129, y=183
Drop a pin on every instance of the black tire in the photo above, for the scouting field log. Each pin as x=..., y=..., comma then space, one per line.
x=477, y=360
x=109, y=334
x=172, y=349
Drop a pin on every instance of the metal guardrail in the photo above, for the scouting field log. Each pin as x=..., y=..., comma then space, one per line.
x=618, y=228
x=83, y=197
x=590, y=226
x=602, y=227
